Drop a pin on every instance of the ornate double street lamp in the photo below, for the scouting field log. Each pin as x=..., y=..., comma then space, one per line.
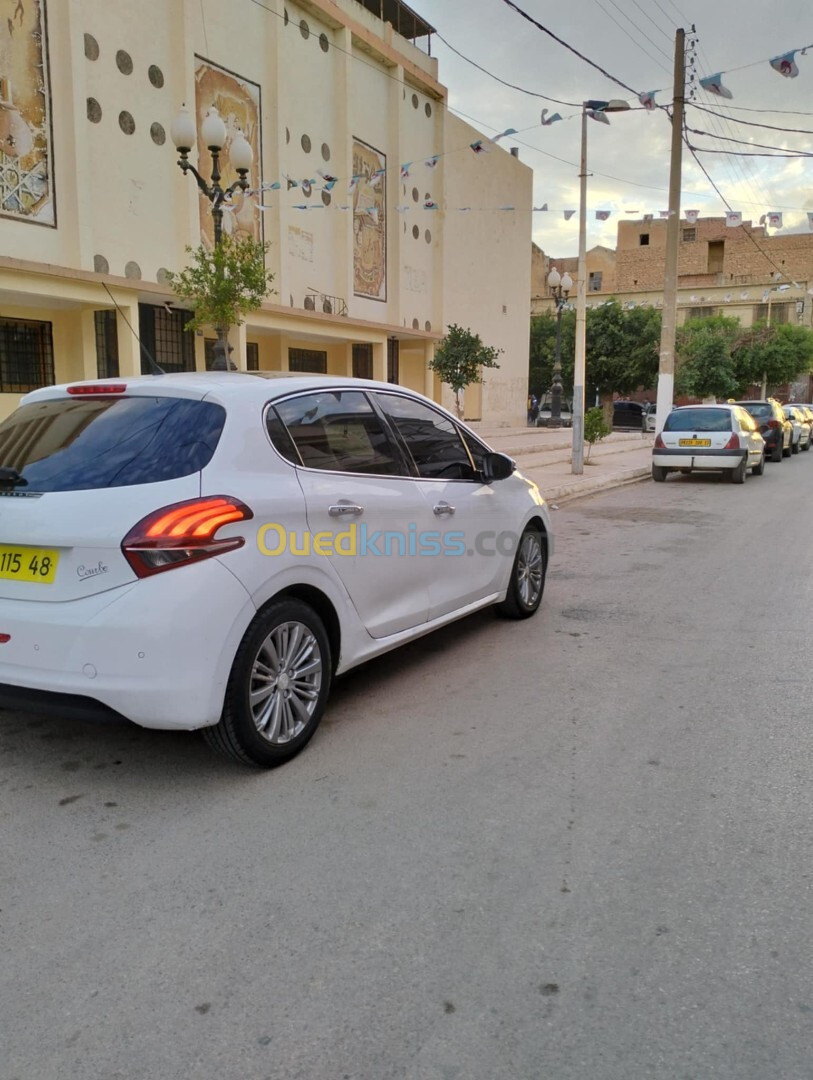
x=560, y=286
x=214, y=135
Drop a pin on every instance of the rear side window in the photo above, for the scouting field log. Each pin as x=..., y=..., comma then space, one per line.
x=698, y=420
x=337, y=430
x=82, y=444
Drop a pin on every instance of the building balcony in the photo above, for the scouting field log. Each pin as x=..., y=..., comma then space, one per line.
x=403, y=20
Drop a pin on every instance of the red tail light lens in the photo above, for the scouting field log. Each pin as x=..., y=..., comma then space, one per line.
x=733, y=443
x=97, y=388
x=659, y=443
x=183, y=533
x=775, y=423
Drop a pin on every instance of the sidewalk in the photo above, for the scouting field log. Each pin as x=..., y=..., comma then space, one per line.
x=543, y=455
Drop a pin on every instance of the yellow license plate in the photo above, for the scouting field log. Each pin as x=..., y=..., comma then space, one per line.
x=695, y=442
x=28, y=564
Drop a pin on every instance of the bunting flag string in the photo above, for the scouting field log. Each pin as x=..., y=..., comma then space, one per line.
x=784, y=64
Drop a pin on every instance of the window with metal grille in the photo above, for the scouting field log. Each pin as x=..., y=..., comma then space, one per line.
x=701, y=312
x=362, y=361
x=594, y=281
x=780, y=313
x=307, y=360
x=163, y=336
x=107, y=344
x=393, y=360
x=689, y=236
x=252, y=356
x=26, y=355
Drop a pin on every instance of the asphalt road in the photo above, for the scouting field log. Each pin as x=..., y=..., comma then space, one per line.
x=575, y=848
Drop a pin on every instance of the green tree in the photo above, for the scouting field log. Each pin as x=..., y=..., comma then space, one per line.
x=774, y=355
x=224, y=284
x=622, y=349
x=596, y=427
x=459, y=359
x=704, y=350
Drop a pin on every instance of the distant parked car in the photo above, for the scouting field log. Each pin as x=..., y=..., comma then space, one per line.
x=649, y=417
x=801, y=427
x=630, y=415
x=708, y=438
x=773, y=425
x=565, y=414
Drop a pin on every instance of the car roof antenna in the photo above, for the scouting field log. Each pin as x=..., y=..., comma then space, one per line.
x=145, y=352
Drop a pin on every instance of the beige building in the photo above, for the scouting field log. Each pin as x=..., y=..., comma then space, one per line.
x=740, y=271
x=360, y=169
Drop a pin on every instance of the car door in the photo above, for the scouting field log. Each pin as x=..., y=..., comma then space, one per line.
x=472, y=520
x=362, y=506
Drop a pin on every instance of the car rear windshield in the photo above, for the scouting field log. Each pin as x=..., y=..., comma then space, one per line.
x=698, y=420
x=759, y=409
x=75, y=444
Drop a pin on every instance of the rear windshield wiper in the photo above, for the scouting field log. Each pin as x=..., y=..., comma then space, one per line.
x=11, y=478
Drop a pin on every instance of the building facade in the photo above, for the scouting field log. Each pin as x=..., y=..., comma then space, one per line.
x=742, y=272
x=358, y=172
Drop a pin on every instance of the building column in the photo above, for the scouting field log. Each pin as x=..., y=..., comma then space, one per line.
x=348, y=359
x=380, y=361
x=129, y=348
x=90, y=365
x=428, y=374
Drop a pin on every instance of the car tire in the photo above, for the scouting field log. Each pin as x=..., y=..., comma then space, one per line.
x=787, y=450
x=739, y=474
x=777, y=453
x=758, y=470
x=527, y=577
x=659, y=473
x=794, y=447
x=806, y=447
x=287, y=640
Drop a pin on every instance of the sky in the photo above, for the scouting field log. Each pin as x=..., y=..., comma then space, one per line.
x=628, y=161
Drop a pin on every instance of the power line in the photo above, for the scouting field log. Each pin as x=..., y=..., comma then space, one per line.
x=657, y=26
x=742, y=142
x=755, y=123
x=641, y=32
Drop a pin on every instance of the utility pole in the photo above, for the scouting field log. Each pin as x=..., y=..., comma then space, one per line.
x=666, y=370
x=577, y=453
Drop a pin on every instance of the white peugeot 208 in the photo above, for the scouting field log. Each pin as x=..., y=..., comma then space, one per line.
x=209, y=550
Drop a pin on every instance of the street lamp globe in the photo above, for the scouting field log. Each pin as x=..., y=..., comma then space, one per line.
x=567, y=282
x=213, y=130
x=182, y=131
x=553, y=278
x=240, y=153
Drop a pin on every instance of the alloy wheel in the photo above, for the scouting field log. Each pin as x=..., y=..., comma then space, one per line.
x=530, y=569
x=286, y=677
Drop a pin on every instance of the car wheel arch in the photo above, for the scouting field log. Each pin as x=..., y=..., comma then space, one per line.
x=322, y=605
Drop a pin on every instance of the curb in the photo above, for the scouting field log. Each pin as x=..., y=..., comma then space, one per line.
x=577, y=488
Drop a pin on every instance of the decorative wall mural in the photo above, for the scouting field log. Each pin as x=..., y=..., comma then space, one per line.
x=369, y=222
x=26, y=156
x=238, y=102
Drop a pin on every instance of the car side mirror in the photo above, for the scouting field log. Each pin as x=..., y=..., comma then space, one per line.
x=497, y=467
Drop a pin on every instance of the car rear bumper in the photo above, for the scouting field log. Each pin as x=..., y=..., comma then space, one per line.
x=114, y=652
x=689, y=458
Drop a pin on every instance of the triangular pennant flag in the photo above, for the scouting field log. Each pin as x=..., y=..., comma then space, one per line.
x=786, y=65
x=291, y=183
x=775, y=220
x=431, y=162
x=272, y=187
x=405, y=169
x=327, y=177
x=541, y=209
x=479, y=147
x=602, y=215
x=647, y=99
x=377, y=177
x=762, y=220
x=548, y=120
x=300, y=206
x=504, y=134
x=733, y=218
x=307, y=188
x=401, y=209
x=354, y=183
x=713, y=84
x=430, y=204
x=663, y=214
x=568, y=214
x=692, y=216
x=727, y=298
x=597, y=114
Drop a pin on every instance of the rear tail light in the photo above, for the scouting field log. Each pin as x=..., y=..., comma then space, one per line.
x=733, y=443
x=659, y=443
x=774, y=423
x=183, y=533
x=97, y=388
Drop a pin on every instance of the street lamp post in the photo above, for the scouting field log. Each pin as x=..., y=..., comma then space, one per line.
x=595, y=109
x=213, y=132
x=560, y=286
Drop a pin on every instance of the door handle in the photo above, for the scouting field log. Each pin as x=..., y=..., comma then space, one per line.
x=343, y=509
x=443, y=508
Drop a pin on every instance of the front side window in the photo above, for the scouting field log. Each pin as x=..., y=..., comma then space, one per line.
x=336, y=430
x=433, y=441
x=72, y=444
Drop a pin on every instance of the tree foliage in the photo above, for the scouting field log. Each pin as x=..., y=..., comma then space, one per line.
x=224, y=284
x=459, y=359
x=776, y=354
x=621, y=349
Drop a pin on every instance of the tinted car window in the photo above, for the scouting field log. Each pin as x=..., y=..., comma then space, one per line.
x=698, y=420
x=337, y=430
x=432, y=440
x=76, y=444
x=760, y=410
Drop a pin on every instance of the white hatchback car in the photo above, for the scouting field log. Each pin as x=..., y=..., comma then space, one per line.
x=209, y=550
x=722, y=438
